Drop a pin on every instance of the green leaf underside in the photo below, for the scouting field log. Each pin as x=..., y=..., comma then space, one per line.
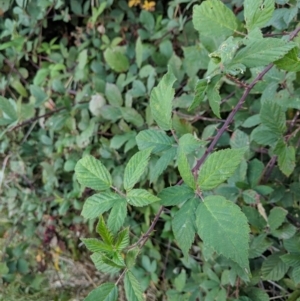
x=219, y=167
x=99, y=203
x=222, y=226
x=141, y=197
x=213, y=18
x=91, y=173
x=132, y=287
x=105, y=292
x=117, y=215
x=158, y=140
x=135, y=168
x=258, y=13
x=183, y=224
x=175, y=195
x=262, y=52
x=161, y=101
x=185, y=170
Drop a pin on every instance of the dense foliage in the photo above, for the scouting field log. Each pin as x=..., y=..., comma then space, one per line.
x=162, y=137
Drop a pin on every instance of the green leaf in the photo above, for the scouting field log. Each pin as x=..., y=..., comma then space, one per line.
x=95, y=245
x=213, y=18
x=264, y=136
x=257, y=294
x=200, y=92
x=158, y=140
x=162, y=164
x=116, y=60
x=132, y=116
x=117, y=215
x=8, y=109
x=254, y=172
x=250, y=196
x=259, y=245
x=189, y=143
x=272, y=116
x=39, y=95
x=276, y=217
x=99, y=203
x=175, y=195
x=213, y=95
x=131, y=256
x=183, y=225
x=17, y=85
x=286, y=157
x=219, y=167
x=132, y=287
x=296, y=275
x=273, y=268
x=222, y=226
x=136, y=167
x=103, y=231
x=292, y=260
x=98, y=260
x=139, y=52
x=113, y=95
x=180, y=281
x=141, y=197
x=262, y=52
x=258, y=13
x=290, y=62
x=105, y=292
x=90, y=172
x=122, y=240
x=161, y=101
x=185, y=169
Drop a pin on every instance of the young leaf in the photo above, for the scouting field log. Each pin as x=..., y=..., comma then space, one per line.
x=132, y=287
x=175, y=195
x=219, y=167
x=222, y=226
x=122, y=239
x=96, y=245
x=105, y=292
x=158, y=140
x=91, y=173
x=141, y=197
x=258, y=13
x=161, y=101
x=262, y=52
x=99, y=203
x=200, y=92
x=183, y=225
x=286, y=157
x=213, y=18
x=272, y=116
x=185, y=169
x=104, y=232
x=136, y=167
x=290, y=62
x=117, y=216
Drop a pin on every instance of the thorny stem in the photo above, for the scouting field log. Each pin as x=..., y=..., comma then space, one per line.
x=229, y=119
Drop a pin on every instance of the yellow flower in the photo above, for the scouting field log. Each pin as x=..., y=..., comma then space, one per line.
x=133, y=3
x=148, y=5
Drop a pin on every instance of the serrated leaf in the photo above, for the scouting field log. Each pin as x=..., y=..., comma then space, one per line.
x=296, y=275
x=257, y=294
x=101, y=266
x=105, y=292
x=115, y=261
x=219, y=167
x=213, y=18
x=185, y=169
x=258, y=13
x=116, y=60
x=136, y=167
x=262, y=52
x=264, y=136
x=161, y=101
x=290, y=62
x=95, y=245
x=189, y=143
x=272, y=116
x=213, y=95
x=113, y=95
x=254, y=172
x=259, y=245
x=286, y=157
x=99, y=203
x=158, y=140
x=183, y=225
x=132, y=287
x=122, y=239
x=273, y=268
x=117, y=215
x=91, y=173
x=8, y=109
x=276, y=217
x=200, y=91
x=103, y=231
x=292, y=260
x=175, y=195
x=222, y=225
x=141, y=197
x=162, y=164
x=131, y=256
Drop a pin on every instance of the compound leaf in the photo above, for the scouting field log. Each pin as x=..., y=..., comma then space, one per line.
x=222, y=226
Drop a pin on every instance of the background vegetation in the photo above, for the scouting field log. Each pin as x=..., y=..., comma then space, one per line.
x=76, y=79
